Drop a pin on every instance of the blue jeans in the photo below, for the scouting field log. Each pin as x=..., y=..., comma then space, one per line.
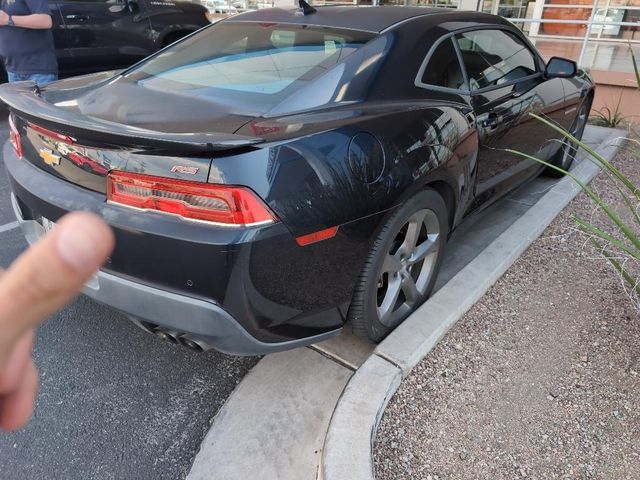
x=41, y=79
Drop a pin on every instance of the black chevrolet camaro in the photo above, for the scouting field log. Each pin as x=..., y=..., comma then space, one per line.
x=279, y=174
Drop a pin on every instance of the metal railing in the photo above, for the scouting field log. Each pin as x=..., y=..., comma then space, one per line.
x=590, y=23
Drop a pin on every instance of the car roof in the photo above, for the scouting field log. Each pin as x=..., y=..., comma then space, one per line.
x=371, y=19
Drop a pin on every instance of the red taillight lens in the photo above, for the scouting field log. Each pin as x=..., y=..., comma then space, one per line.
x=222, y=204
x=14, y=137
x=51, y=134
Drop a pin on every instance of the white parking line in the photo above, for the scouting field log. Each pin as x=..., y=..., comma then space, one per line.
x=9, y=226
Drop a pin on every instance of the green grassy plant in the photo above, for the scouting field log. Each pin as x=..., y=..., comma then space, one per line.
x=609, y=117
x=619, y=242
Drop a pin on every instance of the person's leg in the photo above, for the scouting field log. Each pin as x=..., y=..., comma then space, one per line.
x=42, y=79
x=16, y=77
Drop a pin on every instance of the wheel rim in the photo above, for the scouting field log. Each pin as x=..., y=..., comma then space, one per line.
x=581, y=121
x=408, y=267
x=571, y=148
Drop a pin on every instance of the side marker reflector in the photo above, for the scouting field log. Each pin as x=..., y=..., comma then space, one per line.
x=316, y=236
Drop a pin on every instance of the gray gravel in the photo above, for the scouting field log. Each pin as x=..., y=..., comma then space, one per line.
x=540, y=379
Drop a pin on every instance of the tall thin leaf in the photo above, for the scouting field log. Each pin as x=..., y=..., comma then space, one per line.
x=603, y=162
x=616, y=264
x=635, y=67
x=624, y=228
x=590, y=229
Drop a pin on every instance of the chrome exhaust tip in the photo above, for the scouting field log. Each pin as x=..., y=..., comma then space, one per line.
x=164, y=335
x=172, y=336
x=189, y=343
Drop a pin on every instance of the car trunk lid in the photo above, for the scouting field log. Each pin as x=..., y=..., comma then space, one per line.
x=59, y=138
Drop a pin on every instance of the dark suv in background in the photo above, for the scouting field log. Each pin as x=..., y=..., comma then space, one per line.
x=95, y=35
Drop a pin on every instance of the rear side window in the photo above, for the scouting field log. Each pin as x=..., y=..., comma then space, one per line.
x=257, y=62
x=443, y=68
x=494, y=57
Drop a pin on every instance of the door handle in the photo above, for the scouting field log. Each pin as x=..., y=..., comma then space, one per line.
x=492, y=122
x=76, y=16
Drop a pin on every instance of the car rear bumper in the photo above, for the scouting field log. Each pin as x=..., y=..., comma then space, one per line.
x=179, y=316
x=210, y=286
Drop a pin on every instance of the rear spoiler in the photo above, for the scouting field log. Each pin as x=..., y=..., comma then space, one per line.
x=25, y=99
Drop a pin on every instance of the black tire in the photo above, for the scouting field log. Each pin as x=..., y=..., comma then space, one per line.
x=567, y=153
x=174, y=37
x=368, y=315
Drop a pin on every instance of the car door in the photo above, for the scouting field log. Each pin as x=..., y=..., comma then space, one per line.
x=57, y=29
x=507, y=84
x=103, y=34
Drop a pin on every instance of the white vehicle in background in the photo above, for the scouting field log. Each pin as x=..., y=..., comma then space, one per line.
x=220, y=6
x=231, y=7
x=605, y=16
x=243, y=5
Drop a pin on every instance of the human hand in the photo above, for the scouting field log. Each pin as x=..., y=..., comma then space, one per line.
x=42, y=280
x=4, y=18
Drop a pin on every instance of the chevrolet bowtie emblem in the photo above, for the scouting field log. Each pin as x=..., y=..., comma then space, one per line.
x=49, y=157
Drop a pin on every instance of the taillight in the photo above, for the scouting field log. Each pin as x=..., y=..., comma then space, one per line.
x=220, y=204
x=14, y=137
x=51, y=134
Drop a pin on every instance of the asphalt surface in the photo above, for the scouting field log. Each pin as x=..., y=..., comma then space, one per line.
x=114, y=402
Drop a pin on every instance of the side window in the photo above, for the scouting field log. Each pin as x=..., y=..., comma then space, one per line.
x=283, y=38
x=443, y=68
x=494, y=57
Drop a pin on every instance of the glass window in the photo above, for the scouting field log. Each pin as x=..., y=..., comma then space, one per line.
x=260, y=63
x=494, y=57
x=443, y=69
x=626, y=3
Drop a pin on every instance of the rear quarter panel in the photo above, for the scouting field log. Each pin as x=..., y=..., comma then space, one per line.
x=311, y=183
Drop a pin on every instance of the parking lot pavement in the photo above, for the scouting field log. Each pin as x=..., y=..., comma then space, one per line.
x=114, y=401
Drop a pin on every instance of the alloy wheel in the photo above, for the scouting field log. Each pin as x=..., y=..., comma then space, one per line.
x=571, y=148
x=408, y=267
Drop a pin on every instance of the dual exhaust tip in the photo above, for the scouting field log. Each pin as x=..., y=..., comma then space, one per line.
x=171, y=336
x=175, y=338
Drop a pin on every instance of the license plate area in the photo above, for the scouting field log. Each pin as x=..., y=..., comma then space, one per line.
x=47, y=226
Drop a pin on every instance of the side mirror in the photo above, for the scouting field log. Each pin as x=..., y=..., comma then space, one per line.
x=558, y=67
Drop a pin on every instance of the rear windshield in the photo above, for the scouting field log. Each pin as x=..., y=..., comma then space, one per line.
x=252, y=62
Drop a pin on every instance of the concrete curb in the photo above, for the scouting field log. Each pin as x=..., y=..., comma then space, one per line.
x=348, y=449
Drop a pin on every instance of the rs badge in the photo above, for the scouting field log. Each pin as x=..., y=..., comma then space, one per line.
x=49, y=157
x=183, y=169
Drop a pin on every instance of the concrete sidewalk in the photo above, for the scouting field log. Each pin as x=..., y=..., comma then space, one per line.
x=274, y=426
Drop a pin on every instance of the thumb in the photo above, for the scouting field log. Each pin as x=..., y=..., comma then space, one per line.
x=51, y=273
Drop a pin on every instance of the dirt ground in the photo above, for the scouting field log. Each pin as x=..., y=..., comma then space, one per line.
x=540, y=379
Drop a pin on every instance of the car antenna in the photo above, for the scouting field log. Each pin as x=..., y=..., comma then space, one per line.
x=305, y=8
